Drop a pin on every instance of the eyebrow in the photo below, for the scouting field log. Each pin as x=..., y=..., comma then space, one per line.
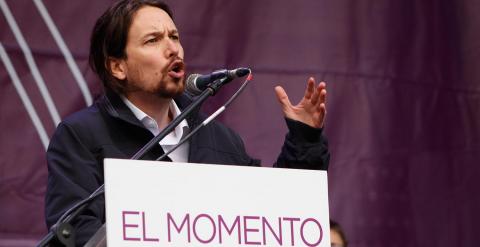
x=158, y=33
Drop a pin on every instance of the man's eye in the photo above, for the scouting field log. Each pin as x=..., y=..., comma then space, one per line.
x=151, y=41
x=174, y=37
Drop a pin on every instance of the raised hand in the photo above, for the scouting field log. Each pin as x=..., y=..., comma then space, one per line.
x=311, y=110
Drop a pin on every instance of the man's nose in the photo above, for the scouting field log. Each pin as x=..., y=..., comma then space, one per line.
x=173, y=48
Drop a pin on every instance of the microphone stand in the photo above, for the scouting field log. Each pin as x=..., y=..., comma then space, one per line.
x=63, y=232
x=207, y=120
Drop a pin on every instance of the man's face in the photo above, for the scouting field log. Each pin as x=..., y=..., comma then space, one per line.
x=154, y=62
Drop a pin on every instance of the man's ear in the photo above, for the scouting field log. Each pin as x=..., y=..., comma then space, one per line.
x=117, y=67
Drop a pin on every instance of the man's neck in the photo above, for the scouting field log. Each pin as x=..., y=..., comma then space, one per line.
x=153, y=105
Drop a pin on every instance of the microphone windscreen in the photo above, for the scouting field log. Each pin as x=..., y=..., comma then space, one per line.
x=191, y=86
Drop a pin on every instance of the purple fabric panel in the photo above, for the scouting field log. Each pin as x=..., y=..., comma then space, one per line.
x=403, y=103
x=23, y=168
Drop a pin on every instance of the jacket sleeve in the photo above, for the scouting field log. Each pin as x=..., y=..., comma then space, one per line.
x=305, y=147
x=73, y=174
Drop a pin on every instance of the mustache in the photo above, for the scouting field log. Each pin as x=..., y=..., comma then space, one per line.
x=178, y=61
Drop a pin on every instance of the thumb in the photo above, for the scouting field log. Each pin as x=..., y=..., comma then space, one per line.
x=282, y=97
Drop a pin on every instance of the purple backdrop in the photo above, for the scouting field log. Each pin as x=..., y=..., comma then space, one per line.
x=403, y=102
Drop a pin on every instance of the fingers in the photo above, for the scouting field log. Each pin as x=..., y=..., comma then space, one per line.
x=322, y=104
x=320, y=93
x=322, y=112
x=322, y=109
x=319, y=100
x=282, y=97
x=322, y=88
x=310, y=88
x=315, y=97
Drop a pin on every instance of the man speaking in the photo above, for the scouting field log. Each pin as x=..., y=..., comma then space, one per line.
x=135, y=49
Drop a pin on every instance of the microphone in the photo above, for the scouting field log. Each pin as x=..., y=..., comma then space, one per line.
x=196, y=83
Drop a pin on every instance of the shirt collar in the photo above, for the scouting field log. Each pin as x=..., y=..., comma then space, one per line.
x=173, y=137
x=139, y=114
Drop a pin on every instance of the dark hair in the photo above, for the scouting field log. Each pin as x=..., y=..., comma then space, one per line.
x=334, y=226
x=109, y=38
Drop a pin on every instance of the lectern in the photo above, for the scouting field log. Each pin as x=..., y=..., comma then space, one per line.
x=152, y=203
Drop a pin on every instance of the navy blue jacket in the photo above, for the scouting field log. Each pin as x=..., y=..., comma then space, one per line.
x=108, y=129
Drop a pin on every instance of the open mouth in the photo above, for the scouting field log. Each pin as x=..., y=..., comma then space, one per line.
x=177, y=69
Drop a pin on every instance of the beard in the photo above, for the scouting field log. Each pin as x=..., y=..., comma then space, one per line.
x=168, y=90
x=157, y=83
x=167, y=87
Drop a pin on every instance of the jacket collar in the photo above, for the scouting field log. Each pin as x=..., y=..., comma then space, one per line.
x=114, y=106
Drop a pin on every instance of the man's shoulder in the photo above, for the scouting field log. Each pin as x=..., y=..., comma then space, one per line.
x=87, y=116
x=89, y=120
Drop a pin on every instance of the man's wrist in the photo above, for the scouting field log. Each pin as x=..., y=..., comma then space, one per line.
x=302, y=132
